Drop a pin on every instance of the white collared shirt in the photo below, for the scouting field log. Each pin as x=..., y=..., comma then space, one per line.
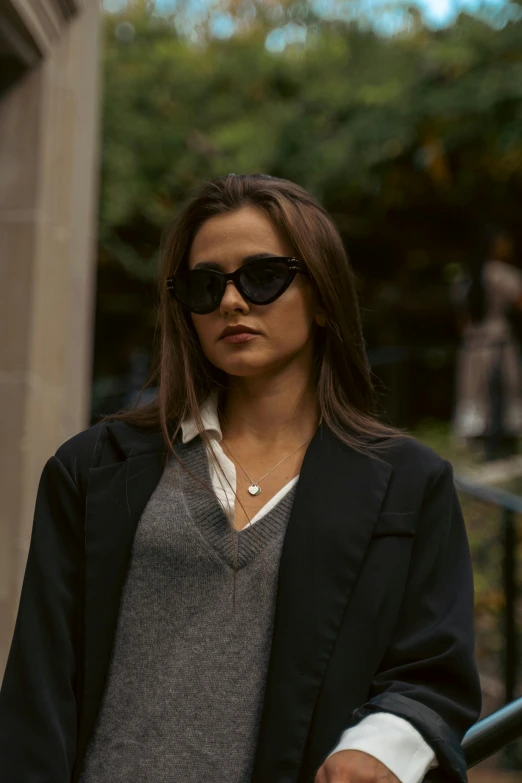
x=223, y=477
x=386, y=737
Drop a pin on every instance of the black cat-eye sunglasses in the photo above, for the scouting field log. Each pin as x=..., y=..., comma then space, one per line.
x=260, y=282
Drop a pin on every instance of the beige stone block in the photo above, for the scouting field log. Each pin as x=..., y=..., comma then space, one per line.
x=12, y=400
x=20, y=126
x=16, y=250
x=12, y=403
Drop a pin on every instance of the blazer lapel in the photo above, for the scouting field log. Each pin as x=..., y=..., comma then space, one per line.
x=338, y=499
x=116, y=497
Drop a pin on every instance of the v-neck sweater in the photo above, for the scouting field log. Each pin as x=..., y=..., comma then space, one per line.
x=190, y=657
x=390, y=739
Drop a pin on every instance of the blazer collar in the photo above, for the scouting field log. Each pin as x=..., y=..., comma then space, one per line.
x=133, y=442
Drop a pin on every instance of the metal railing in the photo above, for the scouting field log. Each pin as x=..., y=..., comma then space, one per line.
x=494, y=732
x=491, y=734
x=509, y=505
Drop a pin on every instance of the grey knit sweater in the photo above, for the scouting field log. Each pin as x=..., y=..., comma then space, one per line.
x=185, y=687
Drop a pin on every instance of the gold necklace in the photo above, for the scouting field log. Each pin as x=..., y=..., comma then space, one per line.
x=254, y=488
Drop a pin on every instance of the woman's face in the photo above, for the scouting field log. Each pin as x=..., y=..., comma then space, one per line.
x=284, y=328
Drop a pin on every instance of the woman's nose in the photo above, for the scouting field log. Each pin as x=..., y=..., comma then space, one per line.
x=232, y=301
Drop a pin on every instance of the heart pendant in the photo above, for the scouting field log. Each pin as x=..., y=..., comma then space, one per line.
x=254, y=489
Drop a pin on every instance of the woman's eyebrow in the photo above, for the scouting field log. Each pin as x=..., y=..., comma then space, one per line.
x=216, y=265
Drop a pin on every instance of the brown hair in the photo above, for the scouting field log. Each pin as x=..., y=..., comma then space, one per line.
x=185, y=377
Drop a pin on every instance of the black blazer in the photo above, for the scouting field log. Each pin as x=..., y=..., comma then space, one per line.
x=374, y=606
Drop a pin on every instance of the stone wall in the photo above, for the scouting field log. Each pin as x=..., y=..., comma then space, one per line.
x=48, y=193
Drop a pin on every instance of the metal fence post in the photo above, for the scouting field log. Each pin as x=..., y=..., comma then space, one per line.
x=510, y=591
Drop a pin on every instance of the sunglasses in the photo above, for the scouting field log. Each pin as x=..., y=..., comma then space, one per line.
x=259, y=282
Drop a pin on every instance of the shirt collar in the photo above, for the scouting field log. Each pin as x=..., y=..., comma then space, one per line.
x=210, y=419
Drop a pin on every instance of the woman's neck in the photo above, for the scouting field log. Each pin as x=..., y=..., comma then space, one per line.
x=277, y=411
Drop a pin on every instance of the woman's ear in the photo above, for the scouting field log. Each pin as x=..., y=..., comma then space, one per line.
x=320, y=318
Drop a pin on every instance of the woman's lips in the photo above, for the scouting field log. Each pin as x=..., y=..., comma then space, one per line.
x=239, y=337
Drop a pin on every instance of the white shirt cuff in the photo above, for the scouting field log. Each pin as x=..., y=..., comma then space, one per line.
x=392, y=741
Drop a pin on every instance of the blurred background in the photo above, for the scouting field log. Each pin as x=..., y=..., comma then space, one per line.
x=404, y=119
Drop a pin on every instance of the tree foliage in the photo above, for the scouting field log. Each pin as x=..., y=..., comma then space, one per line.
x=367, y=122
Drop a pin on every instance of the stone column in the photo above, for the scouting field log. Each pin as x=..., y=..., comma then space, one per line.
x=48, y=193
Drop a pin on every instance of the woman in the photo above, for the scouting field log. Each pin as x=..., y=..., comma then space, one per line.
x=251, y=578
x=489, y=381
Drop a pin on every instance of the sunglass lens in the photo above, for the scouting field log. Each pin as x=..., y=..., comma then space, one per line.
x=264, y=281
x=200, y=290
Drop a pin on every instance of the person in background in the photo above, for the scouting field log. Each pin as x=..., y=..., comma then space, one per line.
x=488, y=406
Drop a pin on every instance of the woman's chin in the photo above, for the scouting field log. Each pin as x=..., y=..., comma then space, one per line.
x=244, y=366
x=244, y=370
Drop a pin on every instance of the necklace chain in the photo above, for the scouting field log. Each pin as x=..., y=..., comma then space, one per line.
x=254, y=488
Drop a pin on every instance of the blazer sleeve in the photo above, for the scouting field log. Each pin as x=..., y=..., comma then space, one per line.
x=38, y=707
x=428, y=674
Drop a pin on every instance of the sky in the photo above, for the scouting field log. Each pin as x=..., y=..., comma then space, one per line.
x=436, y=13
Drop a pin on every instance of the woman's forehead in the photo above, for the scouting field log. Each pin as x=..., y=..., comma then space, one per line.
x=234, y=236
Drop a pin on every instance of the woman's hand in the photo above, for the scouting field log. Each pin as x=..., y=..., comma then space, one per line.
x=354, y=766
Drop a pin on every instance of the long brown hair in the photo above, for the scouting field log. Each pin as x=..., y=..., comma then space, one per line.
x=185, y=377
